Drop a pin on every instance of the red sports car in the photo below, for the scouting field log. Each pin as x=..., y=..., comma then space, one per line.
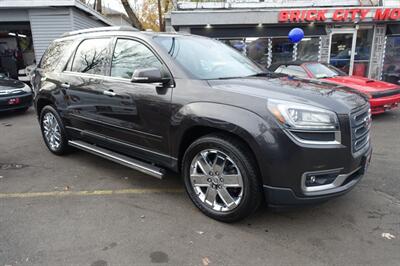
x=383, y=96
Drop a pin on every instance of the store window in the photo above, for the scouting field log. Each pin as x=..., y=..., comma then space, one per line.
x=308, y=49
x=391, y=66
x=252, y=47
x=363, y=52
x=268, y=51
x=282, y=50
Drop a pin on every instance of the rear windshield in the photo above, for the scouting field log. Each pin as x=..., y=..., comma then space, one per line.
x=53, y=55
x=206, y=58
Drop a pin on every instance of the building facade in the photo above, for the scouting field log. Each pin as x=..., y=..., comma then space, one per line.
x=359, y=37
x=28, y=27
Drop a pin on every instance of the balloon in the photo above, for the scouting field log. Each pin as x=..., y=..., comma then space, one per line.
x=296, y=35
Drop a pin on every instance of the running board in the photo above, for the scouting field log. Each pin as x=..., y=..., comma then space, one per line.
x=119, y=158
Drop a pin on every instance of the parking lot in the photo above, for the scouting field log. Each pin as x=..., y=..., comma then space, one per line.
x=82, y=209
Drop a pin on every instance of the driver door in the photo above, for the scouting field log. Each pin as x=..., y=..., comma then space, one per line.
x=141, y=111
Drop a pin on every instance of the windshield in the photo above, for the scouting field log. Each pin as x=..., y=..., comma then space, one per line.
x=321, y=71
x=208, y=59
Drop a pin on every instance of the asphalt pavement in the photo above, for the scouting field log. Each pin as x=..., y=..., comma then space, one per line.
x=83, y=210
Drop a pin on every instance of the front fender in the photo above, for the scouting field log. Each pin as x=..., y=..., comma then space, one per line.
x=245, y=124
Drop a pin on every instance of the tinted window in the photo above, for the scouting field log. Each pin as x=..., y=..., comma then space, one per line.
x=130, y=55
x=92, y=57
x=53, y=55
x=296, y=71
x=206, y=58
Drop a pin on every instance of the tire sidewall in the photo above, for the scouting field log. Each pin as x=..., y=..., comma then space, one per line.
x=237, y=157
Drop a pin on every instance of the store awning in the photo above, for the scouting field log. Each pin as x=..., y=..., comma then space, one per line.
x=393, y=29
x=255, y=31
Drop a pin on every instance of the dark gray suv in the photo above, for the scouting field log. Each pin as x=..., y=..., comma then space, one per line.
x=236, y=134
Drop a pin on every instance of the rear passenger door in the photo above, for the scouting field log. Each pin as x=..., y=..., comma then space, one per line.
x=83, y=85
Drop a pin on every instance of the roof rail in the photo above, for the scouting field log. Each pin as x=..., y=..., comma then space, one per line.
x=100, y=29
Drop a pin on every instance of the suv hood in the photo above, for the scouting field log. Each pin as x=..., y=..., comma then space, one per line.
x=329, y=96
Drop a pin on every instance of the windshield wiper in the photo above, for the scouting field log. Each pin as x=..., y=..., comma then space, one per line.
x=263, y=74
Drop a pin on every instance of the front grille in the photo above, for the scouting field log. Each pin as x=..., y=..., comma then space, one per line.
x=385, y=93
x=360, y=124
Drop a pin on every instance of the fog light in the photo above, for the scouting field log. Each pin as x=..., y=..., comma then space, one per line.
x=319, y=180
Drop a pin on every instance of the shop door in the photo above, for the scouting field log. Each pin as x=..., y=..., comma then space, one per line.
x=342, y=51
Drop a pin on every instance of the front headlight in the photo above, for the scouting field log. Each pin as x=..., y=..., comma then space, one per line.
x=303, y=117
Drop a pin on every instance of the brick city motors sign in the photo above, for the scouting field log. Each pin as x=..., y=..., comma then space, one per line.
x=339, y=15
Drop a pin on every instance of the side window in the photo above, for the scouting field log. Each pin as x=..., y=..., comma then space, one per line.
x=130, y=55
x=92, y=57
x=53, y=55
x=296, y=71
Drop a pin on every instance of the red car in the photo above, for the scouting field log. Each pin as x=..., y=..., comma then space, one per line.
x=383, y=96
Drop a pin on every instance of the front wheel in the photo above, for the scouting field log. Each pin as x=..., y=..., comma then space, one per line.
x=221, y=178
x=53, y=131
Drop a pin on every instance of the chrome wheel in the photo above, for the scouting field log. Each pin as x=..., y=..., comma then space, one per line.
x=216, y=180
x=51, y=131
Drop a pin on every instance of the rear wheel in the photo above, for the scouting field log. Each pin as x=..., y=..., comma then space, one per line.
x=53, y=131
x=220, y=178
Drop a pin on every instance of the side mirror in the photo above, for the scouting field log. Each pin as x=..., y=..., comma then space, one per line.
x=148, y=75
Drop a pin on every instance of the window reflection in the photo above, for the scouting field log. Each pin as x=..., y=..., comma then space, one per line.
x=130, y=55
x=91, y=57
x=53, y=55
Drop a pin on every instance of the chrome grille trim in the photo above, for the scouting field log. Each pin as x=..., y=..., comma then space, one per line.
x=360, y=125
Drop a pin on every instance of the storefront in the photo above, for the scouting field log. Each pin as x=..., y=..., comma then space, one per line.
x=362, y=41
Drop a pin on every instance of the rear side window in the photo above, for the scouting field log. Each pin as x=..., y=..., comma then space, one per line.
x=130, y=55
x=53, y=55
x=91, y=57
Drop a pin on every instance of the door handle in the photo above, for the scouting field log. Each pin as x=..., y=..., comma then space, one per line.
x=65, y=85
x=109, y=93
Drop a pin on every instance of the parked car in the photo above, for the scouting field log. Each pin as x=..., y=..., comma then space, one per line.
x=14, y=94
x=236, y=134
x=383, y=96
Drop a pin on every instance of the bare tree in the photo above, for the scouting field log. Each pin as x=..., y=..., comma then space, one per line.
x=131, y=14
x=98, y=6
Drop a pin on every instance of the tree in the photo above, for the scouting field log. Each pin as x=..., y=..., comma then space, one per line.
x=152, y=13
x=131, y=14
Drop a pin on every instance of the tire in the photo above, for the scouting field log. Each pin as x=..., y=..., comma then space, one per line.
x=59, y=143
x=238, y=177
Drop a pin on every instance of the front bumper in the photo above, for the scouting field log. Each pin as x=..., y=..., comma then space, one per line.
x=278, y=197
x=15, y=102
x=381, y=105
